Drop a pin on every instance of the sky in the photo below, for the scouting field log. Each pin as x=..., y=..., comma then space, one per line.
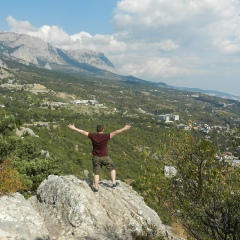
x=184, y=43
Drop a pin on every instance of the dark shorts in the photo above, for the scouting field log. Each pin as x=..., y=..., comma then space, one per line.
x=98, y=162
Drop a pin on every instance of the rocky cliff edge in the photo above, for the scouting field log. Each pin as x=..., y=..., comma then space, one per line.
x=65, y=208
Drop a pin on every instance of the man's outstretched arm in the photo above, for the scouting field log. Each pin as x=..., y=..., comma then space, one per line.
x=72, y=126
x=113, y=134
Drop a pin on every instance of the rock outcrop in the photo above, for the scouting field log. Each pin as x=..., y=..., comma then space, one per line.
x=65, y=208
x=19, y=220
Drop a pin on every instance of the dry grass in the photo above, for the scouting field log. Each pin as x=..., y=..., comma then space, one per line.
x=178, y=229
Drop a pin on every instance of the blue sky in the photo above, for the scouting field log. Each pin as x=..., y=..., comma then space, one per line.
x=73, y=16
x=186, y=43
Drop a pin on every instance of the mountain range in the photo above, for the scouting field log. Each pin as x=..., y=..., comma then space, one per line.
x=31, y=50
x=34, y=51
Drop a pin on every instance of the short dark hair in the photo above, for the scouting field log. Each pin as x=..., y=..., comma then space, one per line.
x=100, y=128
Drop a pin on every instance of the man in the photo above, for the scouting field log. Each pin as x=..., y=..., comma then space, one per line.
x=100, y=151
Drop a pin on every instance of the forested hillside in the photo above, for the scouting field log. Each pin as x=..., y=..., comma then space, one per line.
x=46, y=101
x=43, y=100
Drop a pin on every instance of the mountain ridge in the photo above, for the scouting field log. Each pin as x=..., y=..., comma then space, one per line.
x=208, y=92
x=31, y=50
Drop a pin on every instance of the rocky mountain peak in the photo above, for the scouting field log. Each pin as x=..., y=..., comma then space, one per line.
x=32, y=50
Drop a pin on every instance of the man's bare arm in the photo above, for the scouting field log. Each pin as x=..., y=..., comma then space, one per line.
x=113, y=134
x=72, y=126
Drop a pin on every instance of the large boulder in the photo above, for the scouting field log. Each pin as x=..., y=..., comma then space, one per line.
x=65, y=208
x=19, y=220
x=79, y=213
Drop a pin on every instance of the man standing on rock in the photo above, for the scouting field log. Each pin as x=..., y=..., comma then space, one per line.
x=100, y=151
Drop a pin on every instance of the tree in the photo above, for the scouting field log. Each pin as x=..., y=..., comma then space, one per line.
x=28, y=166
x=234, y=138
x=204, y=194
x=7, y=125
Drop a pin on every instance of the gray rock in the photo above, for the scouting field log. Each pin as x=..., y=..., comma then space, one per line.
x=23, y=130
x=65, y=208
x=118, y=213
x=19, y=220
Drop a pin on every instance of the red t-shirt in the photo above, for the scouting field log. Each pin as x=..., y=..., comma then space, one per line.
x=99, y=143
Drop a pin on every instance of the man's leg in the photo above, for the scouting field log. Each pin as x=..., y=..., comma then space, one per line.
x=111, y=168
x=96, y=171
x=96, y=181
x=113, y=176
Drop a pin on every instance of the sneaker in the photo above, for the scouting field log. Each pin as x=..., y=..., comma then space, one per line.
x=94, y=189
x=115, y=185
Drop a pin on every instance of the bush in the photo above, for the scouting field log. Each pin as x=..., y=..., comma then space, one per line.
x=10, y=181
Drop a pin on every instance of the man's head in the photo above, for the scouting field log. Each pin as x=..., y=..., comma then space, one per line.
x=100, y=128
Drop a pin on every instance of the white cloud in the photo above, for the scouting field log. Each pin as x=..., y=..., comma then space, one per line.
x=58, y=37
x=81, y=35
x=53, y=34
x=189, y=22
x=168, y=45
x=159, y=68
x=21, y=26
x=204, y=30
x=154, y=68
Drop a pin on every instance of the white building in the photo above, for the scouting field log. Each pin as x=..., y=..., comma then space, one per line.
x=85, y=101
x=168, y=117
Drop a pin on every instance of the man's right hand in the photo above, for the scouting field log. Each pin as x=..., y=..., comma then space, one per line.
x=72, y=126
